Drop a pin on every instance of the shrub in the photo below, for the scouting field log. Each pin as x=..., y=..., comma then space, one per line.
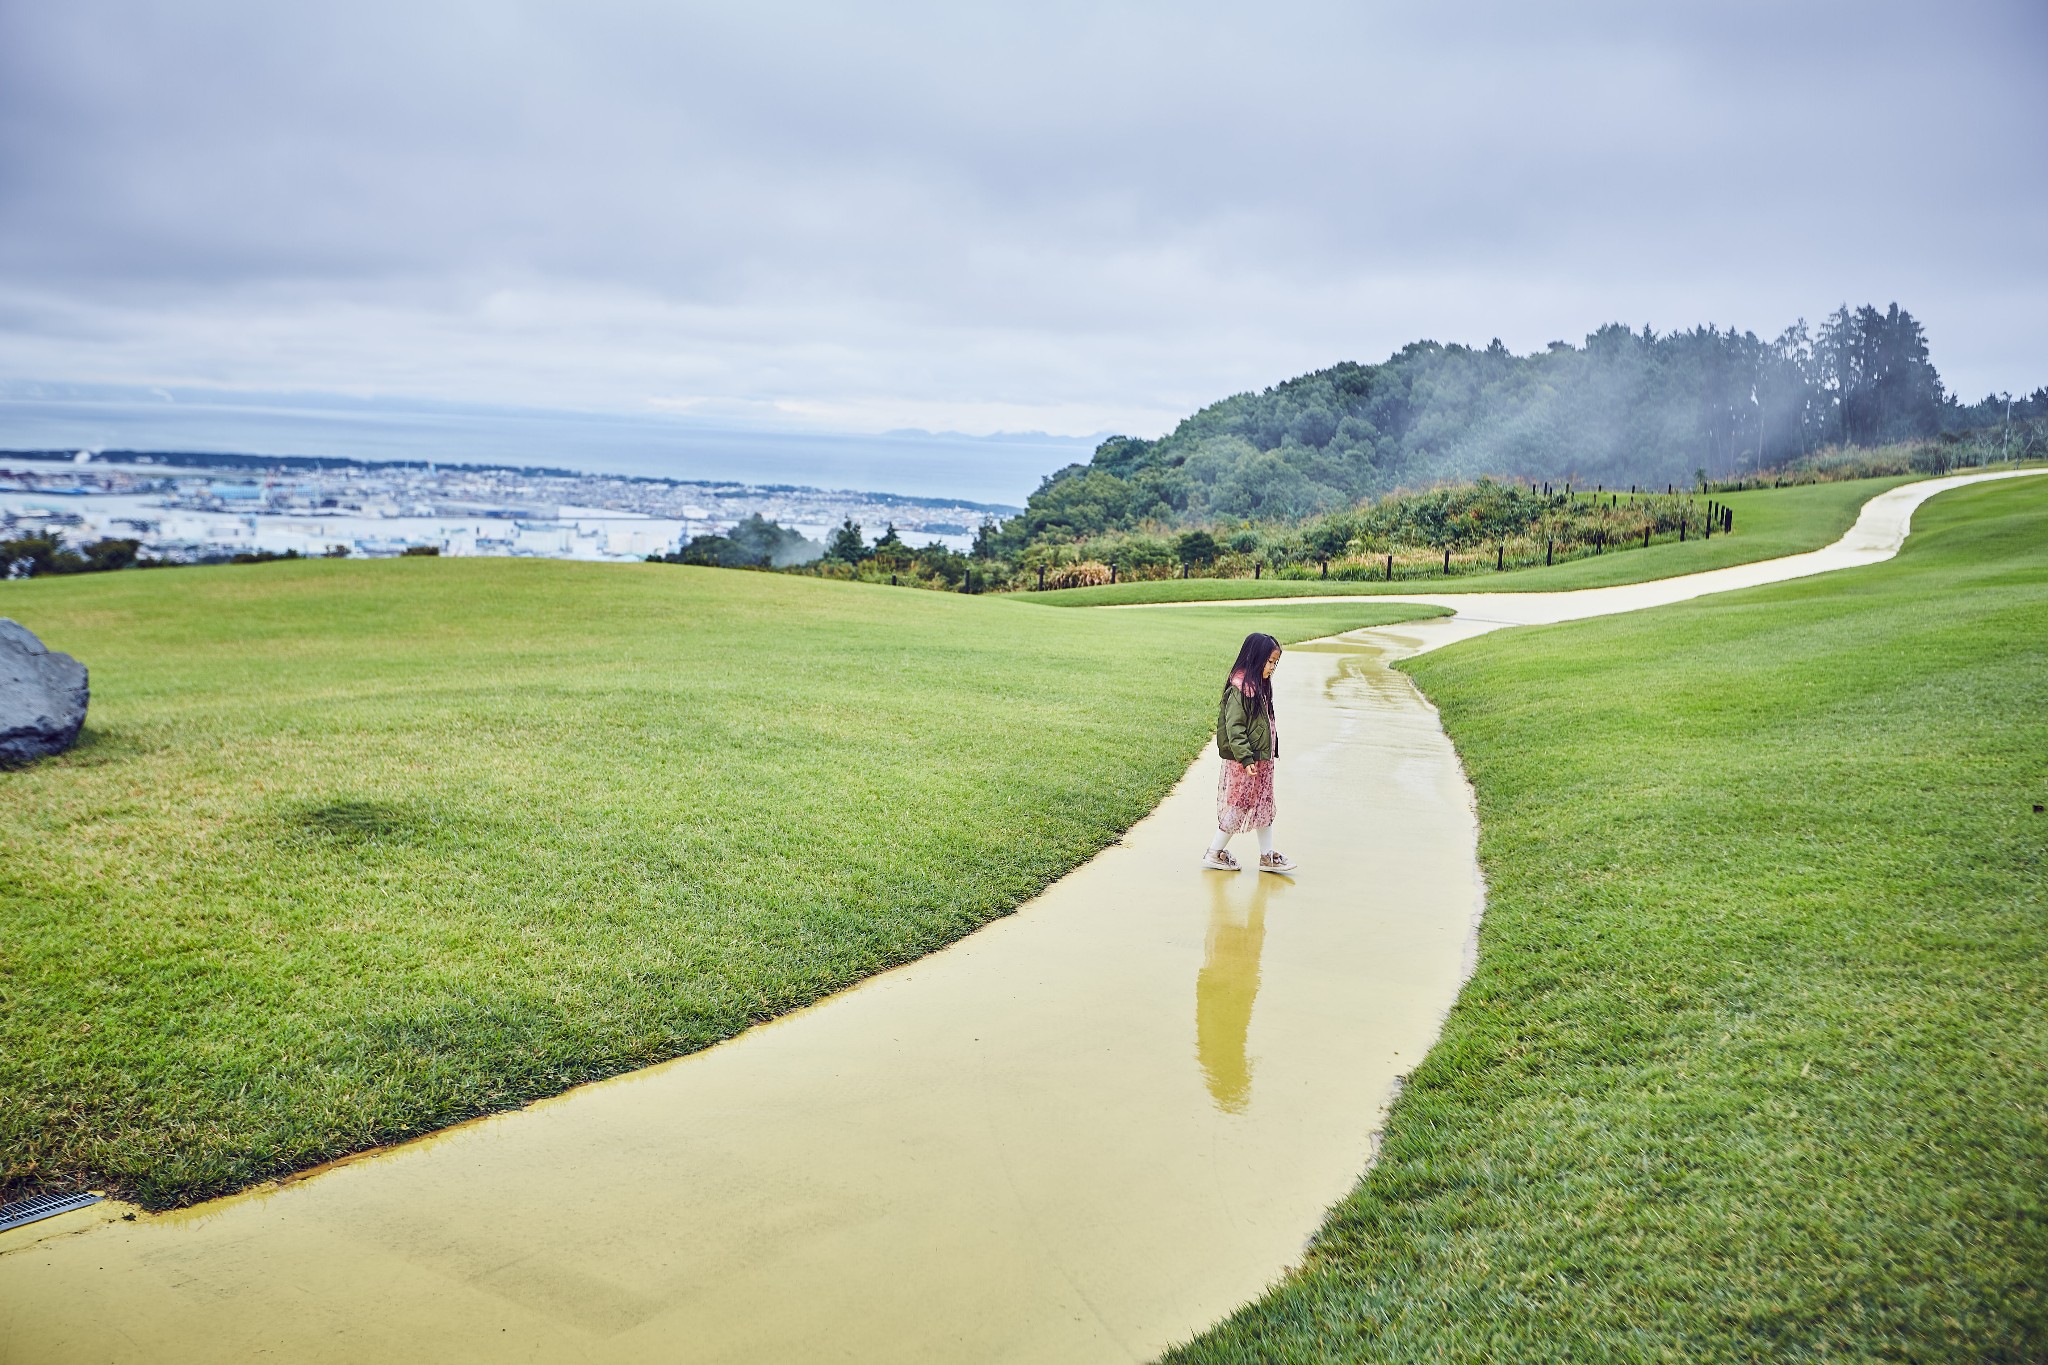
x=1086, y=574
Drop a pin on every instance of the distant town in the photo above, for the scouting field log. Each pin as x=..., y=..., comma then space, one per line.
x=197, y=507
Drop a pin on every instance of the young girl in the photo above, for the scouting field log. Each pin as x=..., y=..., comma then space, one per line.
x=1248, y=738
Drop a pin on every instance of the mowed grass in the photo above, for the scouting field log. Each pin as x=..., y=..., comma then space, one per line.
x=1755, y=1063
x=351, y=851
x=1769, y=522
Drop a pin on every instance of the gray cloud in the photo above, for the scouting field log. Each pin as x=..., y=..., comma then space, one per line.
x=1063, y=217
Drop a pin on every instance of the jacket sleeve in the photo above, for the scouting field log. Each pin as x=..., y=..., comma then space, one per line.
x=1233, y=731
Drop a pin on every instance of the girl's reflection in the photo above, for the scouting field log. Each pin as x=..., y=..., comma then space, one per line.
x=1228, y=984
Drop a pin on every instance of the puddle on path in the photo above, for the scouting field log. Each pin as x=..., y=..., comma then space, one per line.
x=1083, y=1133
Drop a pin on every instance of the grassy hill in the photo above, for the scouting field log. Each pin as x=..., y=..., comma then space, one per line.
x=350, y=851
x=1627, y=407
x=1753, y=1063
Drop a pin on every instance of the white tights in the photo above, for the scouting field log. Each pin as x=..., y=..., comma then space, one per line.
x=1265, y=841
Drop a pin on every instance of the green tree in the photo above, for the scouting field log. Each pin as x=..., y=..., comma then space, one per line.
x=890, y=554
x=1328, y=539
x=1196, y=549
x=716, y=552
x=937, y=562
x=111, y=553
x=985, y=538
x=35, y=556
x=846, y=544
x=766, y=544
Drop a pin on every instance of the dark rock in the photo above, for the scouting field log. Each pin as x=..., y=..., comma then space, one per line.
x=42, y=696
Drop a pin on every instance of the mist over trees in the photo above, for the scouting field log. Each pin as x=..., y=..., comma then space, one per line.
x=755, y=543
x=1625, y=408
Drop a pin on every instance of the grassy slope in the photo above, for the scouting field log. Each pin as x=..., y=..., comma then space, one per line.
x=1753, y=1064
x=351, y=851
x=1769, y=523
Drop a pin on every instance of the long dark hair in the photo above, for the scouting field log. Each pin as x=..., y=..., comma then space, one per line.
x=1251, y=667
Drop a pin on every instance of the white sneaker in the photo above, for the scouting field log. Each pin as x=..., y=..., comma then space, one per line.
x=1276, y=861
x=1220, y=860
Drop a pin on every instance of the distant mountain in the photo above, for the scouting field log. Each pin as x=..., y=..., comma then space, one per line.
x=1627, y=407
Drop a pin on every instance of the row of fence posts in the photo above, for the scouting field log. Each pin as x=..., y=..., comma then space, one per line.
x=1719, y=517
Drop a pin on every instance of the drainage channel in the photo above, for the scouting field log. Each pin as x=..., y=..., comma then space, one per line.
x=22, y=1212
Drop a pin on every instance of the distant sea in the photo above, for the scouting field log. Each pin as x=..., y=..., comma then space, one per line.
x=1001, y=469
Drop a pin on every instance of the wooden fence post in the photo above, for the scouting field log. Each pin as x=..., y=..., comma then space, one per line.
x=1500, y=557
x=1447, y=561
x=1390, y=568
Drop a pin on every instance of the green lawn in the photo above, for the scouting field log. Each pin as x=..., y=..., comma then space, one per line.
x=1755, y=1064
x=351, y=851
x=1768, y=523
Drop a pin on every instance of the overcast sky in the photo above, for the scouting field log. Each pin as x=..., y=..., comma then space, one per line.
x=1033, y=216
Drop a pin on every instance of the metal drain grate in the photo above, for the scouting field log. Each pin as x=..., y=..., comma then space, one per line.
x=42, y=1206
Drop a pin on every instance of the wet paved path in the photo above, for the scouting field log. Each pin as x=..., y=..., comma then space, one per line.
x=1082, y=1133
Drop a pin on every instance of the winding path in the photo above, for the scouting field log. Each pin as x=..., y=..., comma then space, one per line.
x=1084, y=1132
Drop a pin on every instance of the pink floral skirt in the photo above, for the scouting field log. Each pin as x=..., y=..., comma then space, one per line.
x=1244, y=800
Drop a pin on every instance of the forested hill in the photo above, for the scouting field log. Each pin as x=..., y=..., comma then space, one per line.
x=1627, y=407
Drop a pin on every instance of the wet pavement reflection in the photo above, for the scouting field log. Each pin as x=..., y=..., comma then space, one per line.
x=1228, y=985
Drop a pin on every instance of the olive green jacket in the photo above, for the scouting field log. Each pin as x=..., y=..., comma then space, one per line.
x=1243, y=732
